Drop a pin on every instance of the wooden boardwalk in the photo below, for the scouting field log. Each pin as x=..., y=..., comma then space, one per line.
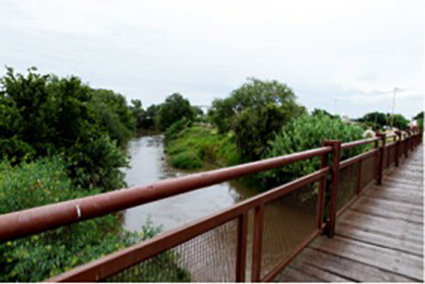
x=378, y=239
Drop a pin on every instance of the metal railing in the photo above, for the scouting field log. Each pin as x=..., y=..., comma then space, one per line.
x=254, y=248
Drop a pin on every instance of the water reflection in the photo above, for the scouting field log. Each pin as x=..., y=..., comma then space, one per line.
x=148, y=165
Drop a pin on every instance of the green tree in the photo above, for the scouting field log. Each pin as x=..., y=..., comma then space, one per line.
x=139, y=113
x=255, y=111
x=46, y=115
x=172, y=110
x=377, y=120
x=304, y=133
x=400, y=122
x=113, y=115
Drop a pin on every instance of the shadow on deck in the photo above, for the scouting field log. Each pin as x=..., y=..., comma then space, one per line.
x=378, y=239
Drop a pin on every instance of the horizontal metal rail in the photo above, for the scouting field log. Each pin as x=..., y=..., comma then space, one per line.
x=27, y=222
x=358, y=158
x=358, y=143
x=123, y=259
x=37, y=220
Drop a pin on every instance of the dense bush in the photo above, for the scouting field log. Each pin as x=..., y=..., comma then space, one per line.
x=43, y=115
x=186, y=160
x=254, y=112
x=173, y=109
x=177, y=127
x=305, y=133
x=44, y=255
x=198, y=145
x=113, y=115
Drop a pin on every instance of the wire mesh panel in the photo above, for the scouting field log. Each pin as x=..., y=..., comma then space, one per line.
x=347, y=187
x=288, y=221
x=369, y=170
x=391, y=155
x=401, y=149
x=210, y=257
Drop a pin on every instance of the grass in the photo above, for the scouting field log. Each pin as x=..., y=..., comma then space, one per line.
x=193, y=147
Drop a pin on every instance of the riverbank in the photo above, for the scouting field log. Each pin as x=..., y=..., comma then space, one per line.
x=149, y=164
x=196, y=146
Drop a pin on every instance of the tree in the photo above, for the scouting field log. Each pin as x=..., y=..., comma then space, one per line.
x=172, y=110
x=255, y=111
x=400, y=122
x=113, y=115
x=420, y=119
x=304, y=133
x=138, y=112
x=377, y=120
x=317, y=111
x=45, y=115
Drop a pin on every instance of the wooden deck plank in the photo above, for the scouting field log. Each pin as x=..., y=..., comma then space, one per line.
x=368, y=204
x=392, y=227
x=379, y=238
x=386, y=259
x=323, y=275
x=347, y=268
x=294, y=275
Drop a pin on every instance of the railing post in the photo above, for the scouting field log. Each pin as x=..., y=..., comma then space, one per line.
x=257, y=243
x=336, y=153
x=381, y=157
x=359, y=178
x=397, y=148
x=405, y=144
x=322, y=189
x=241, y=247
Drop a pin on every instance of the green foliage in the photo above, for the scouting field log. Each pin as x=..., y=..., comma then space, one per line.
x=304, y=133
x=254, y=112
x=177, y=127
x=186, y=160
x=399, y=121
x=255, y=127
x=199, y=145
x=198, y=114
x=113, y=115
x=44, y=115
x=44, y=255
x=419, y=116
x=173, y=109
x=317, y=111
x=376, y=120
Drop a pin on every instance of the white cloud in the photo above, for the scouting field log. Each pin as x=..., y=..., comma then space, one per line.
x=325, y=50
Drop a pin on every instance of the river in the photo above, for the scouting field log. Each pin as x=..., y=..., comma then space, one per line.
x=211, y=256
x=148, y=165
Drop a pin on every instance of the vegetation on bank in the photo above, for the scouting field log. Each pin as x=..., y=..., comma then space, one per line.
x=44, y=255
x=60, y=139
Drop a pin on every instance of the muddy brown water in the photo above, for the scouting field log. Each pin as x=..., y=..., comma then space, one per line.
x=212, y=254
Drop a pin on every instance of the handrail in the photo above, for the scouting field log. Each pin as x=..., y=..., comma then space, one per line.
x=36, y=220
x=357, y=158
x=120, y=260
x=358, y=143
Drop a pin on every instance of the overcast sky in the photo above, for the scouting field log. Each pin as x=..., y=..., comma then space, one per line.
x=343, y=56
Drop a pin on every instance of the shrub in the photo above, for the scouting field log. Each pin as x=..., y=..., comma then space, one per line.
x=305, y=133
x=254, y=112
x=43, y=115
x=177, y=127
x=186, y=160
x=44, y=255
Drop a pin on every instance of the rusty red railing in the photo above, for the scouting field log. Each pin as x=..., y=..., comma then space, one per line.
x=256, y=251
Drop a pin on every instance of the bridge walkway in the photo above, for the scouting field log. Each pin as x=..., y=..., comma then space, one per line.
x=378, y=239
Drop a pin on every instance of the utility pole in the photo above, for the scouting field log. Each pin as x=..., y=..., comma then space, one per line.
x=392, y=117
x=395, y=90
